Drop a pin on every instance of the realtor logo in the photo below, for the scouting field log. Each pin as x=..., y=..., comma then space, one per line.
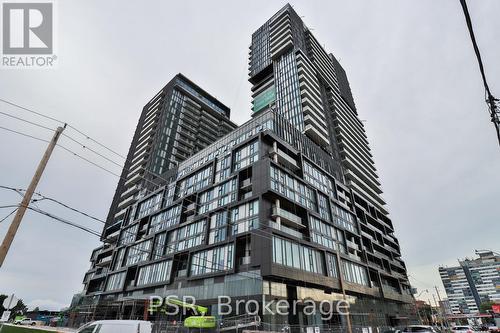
x=27, y=28
x=28, y=34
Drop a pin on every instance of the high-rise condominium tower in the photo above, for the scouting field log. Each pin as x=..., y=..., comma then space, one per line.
x=293, y=74
x=472, y=283
x=284, y=208
x=178, y=121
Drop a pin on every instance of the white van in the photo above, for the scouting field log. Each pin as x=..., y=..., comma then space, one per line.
x=116, y=326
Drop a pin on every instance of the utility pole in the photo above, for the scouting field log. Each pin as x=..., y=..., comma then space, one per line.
x=441, y=308
x=438, y=310
x=11, y=233
x=341, y=280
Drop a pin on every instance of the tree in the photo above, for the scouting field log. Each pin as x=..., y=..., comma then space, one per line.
x=17, y=310
x=485, y=306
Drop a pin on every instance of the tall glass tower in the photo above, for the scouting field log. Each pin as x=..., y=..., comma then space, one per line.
x=293, y=74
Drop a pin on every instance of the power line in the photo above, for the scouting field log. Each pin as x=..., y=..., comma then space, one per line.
x=43, y=197
x=87, y=160
x=60, y=219
x=23, y=134
x=491, y=101
x=26, y=121
x=65, y=135
x=62, y=122
x=93, y=151
x=29, y=110
x=6, y=217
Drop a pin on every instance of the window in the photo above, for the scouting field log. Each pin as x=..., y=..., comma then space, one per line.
x=119, y=258
x=218, y=196
x=165, y=219
x=246, y=155
x=115, y=281
x=293, y=189
x=218, y=227
x=159, y=245
x=222, y=168
x=149, y=205
x=343, y=218
x=128, y=235
x=294, y=255
x=138, y=252
x=245, y=217
x=154, y=273
x=186, y=237
x=331, y=265
x=90, y=329
x=218, y=259
x=323, y=207
x=193, y=183
x=318, y=179
x=354, y=273
x=326, y=234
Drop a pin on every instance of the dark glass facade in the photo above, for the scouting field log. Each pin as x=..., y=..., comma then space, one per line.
x=248, y=219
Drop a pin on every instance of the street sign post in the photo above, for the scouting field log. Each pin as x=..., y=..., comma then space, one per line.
x=5, y=316
x=10, y=302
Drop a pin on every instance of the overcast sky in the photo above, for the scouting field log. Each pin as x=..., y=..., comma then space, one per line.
x=414, y=78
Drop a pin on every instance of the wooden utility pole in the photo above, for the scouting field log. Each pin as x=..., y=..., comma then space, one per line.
x=441, y=306
x=11, y=233
x=341, y=280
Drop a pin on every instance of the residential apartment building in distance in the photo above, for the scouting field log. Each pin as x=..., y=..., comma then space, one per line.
x=284, y=207
x=473, y=282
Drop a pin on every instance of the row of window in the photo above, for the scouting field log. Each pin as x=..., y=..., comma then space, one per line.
x=318, y=179
x=241, y=219
x=246, y=155
x=218, y=196
x=344, y=218
x=149, y=205
x=186, y=237
x=291, y=188
x=138, y=252
x=115, y=281
x=165, y=219
x=222, y=168
x=294, y=255
x=326, y=235
x=354, y=273
x=218, y=259
x=154, y=273
x=195, y=182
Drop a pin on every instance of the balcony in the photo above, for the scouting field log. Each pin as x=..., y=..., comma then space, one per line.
x=287, y=217
x=354, y=256
x=284, y=158
x=352, y=245
x=246, y=184
x=182, y=273
x=287, y=230
x=191, y=208
x=106, y=261
x=245, y=260
x=392, y=293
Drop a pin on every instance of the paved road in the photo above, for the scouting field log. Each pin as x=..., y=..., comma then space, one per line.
x=44, y=328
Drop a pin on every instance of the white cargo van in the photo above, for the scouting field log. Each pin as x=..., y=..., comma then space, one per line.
x=117, y=326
